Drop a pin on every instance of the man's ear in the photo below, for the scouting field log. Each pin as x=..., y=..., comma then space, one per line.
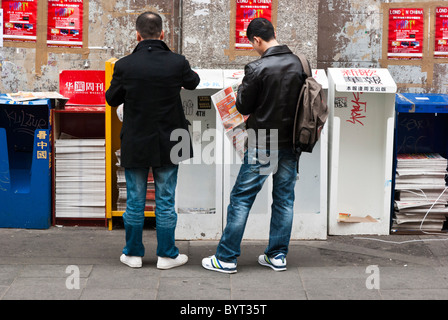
x=139, y=37
x=162, y=35
x=257, y=40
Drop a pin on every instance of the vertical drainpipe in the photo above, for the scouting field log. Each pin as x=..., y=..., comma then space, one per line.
x=179, y=38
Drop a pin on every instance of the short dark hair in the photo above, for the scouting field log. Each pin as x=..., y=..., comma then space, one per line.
x=260, y=27
x=149, y=25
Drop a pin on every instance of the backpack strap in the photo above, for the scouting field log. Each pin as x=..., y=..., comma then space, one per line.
x=307, y=69
x=305, y=64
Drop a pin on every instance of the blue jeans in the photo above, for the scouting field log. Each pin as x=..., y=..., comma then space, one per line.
x=165, y=180
x=253, y=173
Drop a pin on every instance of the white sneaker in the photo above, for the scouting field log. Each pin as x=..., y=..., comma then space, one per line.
x=168, y=263
x=212, y=263
x=277, y=263
x=131, y=261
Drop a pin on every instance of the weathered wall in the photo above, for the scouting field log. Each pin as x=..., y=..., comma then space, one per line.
x=111, y=33
x=351, y=34
x=206, y=28
x=203, y=38
x=331, y=33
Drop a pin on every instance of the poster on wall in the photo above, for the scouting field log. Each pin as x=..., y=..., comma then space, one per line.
x=405, y=33
x=246, y=11
x=65, y=23
x=441, y=33
x=19, y=20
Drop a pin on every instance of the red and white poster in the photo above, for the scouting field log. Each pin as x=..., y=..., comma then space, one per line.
x=20, y=20
x=83, y=87
x=405, y=33
x=441, y=41
x=65, y=23
x=246, y=11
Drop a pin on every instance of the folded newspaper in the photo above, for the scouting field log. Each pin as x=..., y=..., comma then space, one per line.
x=232, y=121
x=27, y=96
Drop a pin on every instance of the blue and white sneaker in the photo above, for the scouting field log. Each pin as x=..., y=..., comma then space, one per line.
x=212, y=263
x=277, y=263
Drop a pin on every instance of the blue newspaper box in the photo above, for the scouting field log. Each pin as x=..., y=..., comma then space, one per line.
x=421, y=123
x=421, y=134
x=25, y=164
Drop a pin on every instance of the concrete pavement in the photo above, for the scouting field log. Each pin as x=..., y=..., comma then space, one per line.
x=82, y=263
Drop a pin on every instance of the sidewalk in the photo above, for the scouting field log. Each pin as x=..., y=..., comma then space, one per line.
x=34, y=264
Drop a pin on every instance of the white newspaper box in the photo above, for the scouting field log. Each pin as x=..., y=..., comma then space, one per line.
x=199, y=185
x=361, y=134
x=311, y=204
x=310, y=207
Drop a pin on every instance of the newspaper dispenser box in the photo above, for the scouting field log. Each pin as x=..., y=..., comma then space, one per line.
x=310, y=207
x=25, y=166
x=421, y=138
x=199, y=185
x=361, y=135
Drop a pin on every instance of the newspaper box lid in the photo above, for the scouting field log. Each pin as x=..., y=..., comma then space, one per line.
x=321, y=77
x=362, y=80
x=232, y=76
x=421, y=102
x=210, y=79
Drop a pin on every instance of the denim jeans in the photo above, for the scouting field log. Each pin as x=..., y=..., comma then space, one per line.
x=165, y=180
x=253, y=173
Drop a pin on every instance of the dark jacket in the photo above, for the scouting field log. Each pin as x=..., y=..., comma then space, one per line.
x=149, y=82
x=269, y=93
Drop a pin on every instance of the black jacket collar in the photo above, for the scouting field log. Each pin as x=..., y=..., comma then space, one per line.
x=151, y=45
x=280, y=49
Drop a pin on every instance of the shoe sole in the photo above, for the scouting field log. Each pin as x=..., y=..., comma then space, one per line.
x=266, y=264
x=170, y=267
x=162, y=267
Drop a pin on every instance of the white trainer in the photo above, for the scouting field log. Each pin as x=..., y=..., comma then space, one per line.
x=131, y=261
x=212, y=263
x=168, y=263
x=277, y=263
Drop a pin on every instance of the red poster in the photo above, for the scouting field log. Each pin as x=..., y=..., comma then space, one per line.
x=441, y=42
x=65, y=23
x=405, y=33
x=83, y=87
x=20, y=20
x=246, y=11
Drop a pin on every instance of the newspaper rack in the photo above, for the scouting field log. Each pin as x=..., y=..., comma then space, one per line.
x=361, y=133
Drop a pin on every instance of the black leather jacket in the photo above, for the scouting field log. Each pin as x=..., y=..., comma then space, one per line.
x=269, y=93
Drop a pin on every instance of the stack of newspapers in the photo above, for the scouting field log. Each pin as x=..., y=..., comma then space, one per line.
x=122, y=191
x=421, y=195
x=80, y=178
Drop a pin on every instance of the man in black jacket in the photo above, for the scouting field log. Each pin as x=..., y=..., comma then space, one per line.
x=149, y=82
x=268, y=93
